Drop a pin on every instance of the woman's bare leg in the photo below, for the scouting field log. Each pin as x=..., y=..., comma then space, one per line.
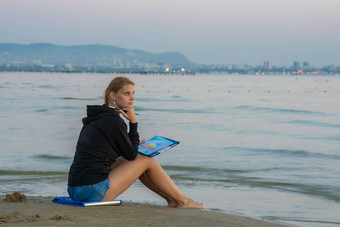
x=147, y=182
x=125, y=174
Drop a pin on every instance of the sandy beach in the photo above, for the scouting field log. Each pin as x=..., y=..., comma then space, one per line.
x=41, y=211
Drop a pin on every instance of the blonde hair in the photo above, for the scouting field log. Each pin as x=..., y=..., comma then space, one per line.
x=116, y=84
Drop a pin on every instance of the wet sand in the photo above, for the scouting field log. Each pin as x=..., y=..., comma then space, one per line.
x=42, y=211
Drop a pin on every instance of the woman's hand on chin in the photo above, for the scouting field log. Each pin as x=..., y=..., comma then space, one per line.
x=129, y=115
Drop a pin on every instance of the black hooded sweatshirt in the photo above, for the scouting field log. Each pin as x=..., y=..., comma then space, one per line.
x=103, y=138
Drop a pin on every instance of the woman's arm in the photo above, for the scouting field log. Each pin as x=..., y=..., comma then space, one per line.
x=124, y=143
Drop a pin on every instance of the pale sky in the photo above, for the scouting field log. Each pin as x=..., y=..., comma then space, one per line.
x=205, y=31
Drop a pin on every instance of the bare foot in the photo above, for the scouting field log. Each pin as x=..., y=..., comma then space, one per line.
x=189, y=203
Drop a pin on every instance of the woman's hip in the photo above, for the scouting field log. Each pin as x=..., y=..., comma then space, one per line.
x=89, y=193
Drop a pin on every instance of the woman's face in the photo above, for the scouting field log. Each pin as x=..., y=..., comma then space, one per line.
x=125, y=96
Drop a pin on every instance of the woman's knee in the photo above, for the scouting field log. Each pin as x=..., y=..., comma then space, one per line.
x=145, y=159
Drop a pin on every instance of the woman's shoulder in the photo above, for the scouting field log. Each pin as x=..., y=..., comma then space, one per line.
x=113, y=119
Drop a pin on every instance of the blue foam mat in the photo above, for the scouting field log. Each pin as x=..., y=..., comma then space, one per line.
x=69, y=201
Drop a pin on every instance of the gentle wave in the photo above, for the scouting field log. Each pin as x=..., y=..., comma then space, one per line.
x=192, y=111
x=50, y=86
x=37, y=173
x=73, y=98
x=202, y=169
x=41, y=110
x=287, y=152
x=45, y=156
x=69, y=107
x=301, y=220
x=231, y=176
x=174, y=98
x=200, y=175
x=314, y=123
x=280, y=110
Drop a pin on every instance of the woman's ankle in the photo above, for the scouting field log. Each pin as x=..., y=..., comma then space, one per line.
x=189, y=203
x=172, y=203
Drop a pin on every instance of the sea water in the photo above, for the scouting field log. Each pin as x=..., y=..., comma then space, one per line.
x=266, y=147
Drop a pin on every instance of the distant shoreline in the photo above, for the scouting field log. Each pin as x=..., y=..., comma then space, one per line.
x=111, y=59
x=166, y=73
x=101, y=72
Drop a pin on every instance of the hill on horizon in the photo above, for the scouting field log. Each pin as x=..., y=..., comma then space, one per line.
x=91, y=55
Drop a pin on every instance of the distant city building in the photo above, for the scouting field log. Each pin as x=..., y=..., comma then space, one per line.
x=331, y=68
x=268, y=65
x=296, y=65
x=306, y=63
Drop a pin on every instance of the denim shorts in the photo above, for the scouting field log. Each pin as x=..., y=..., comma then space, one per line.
x=89, y=193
